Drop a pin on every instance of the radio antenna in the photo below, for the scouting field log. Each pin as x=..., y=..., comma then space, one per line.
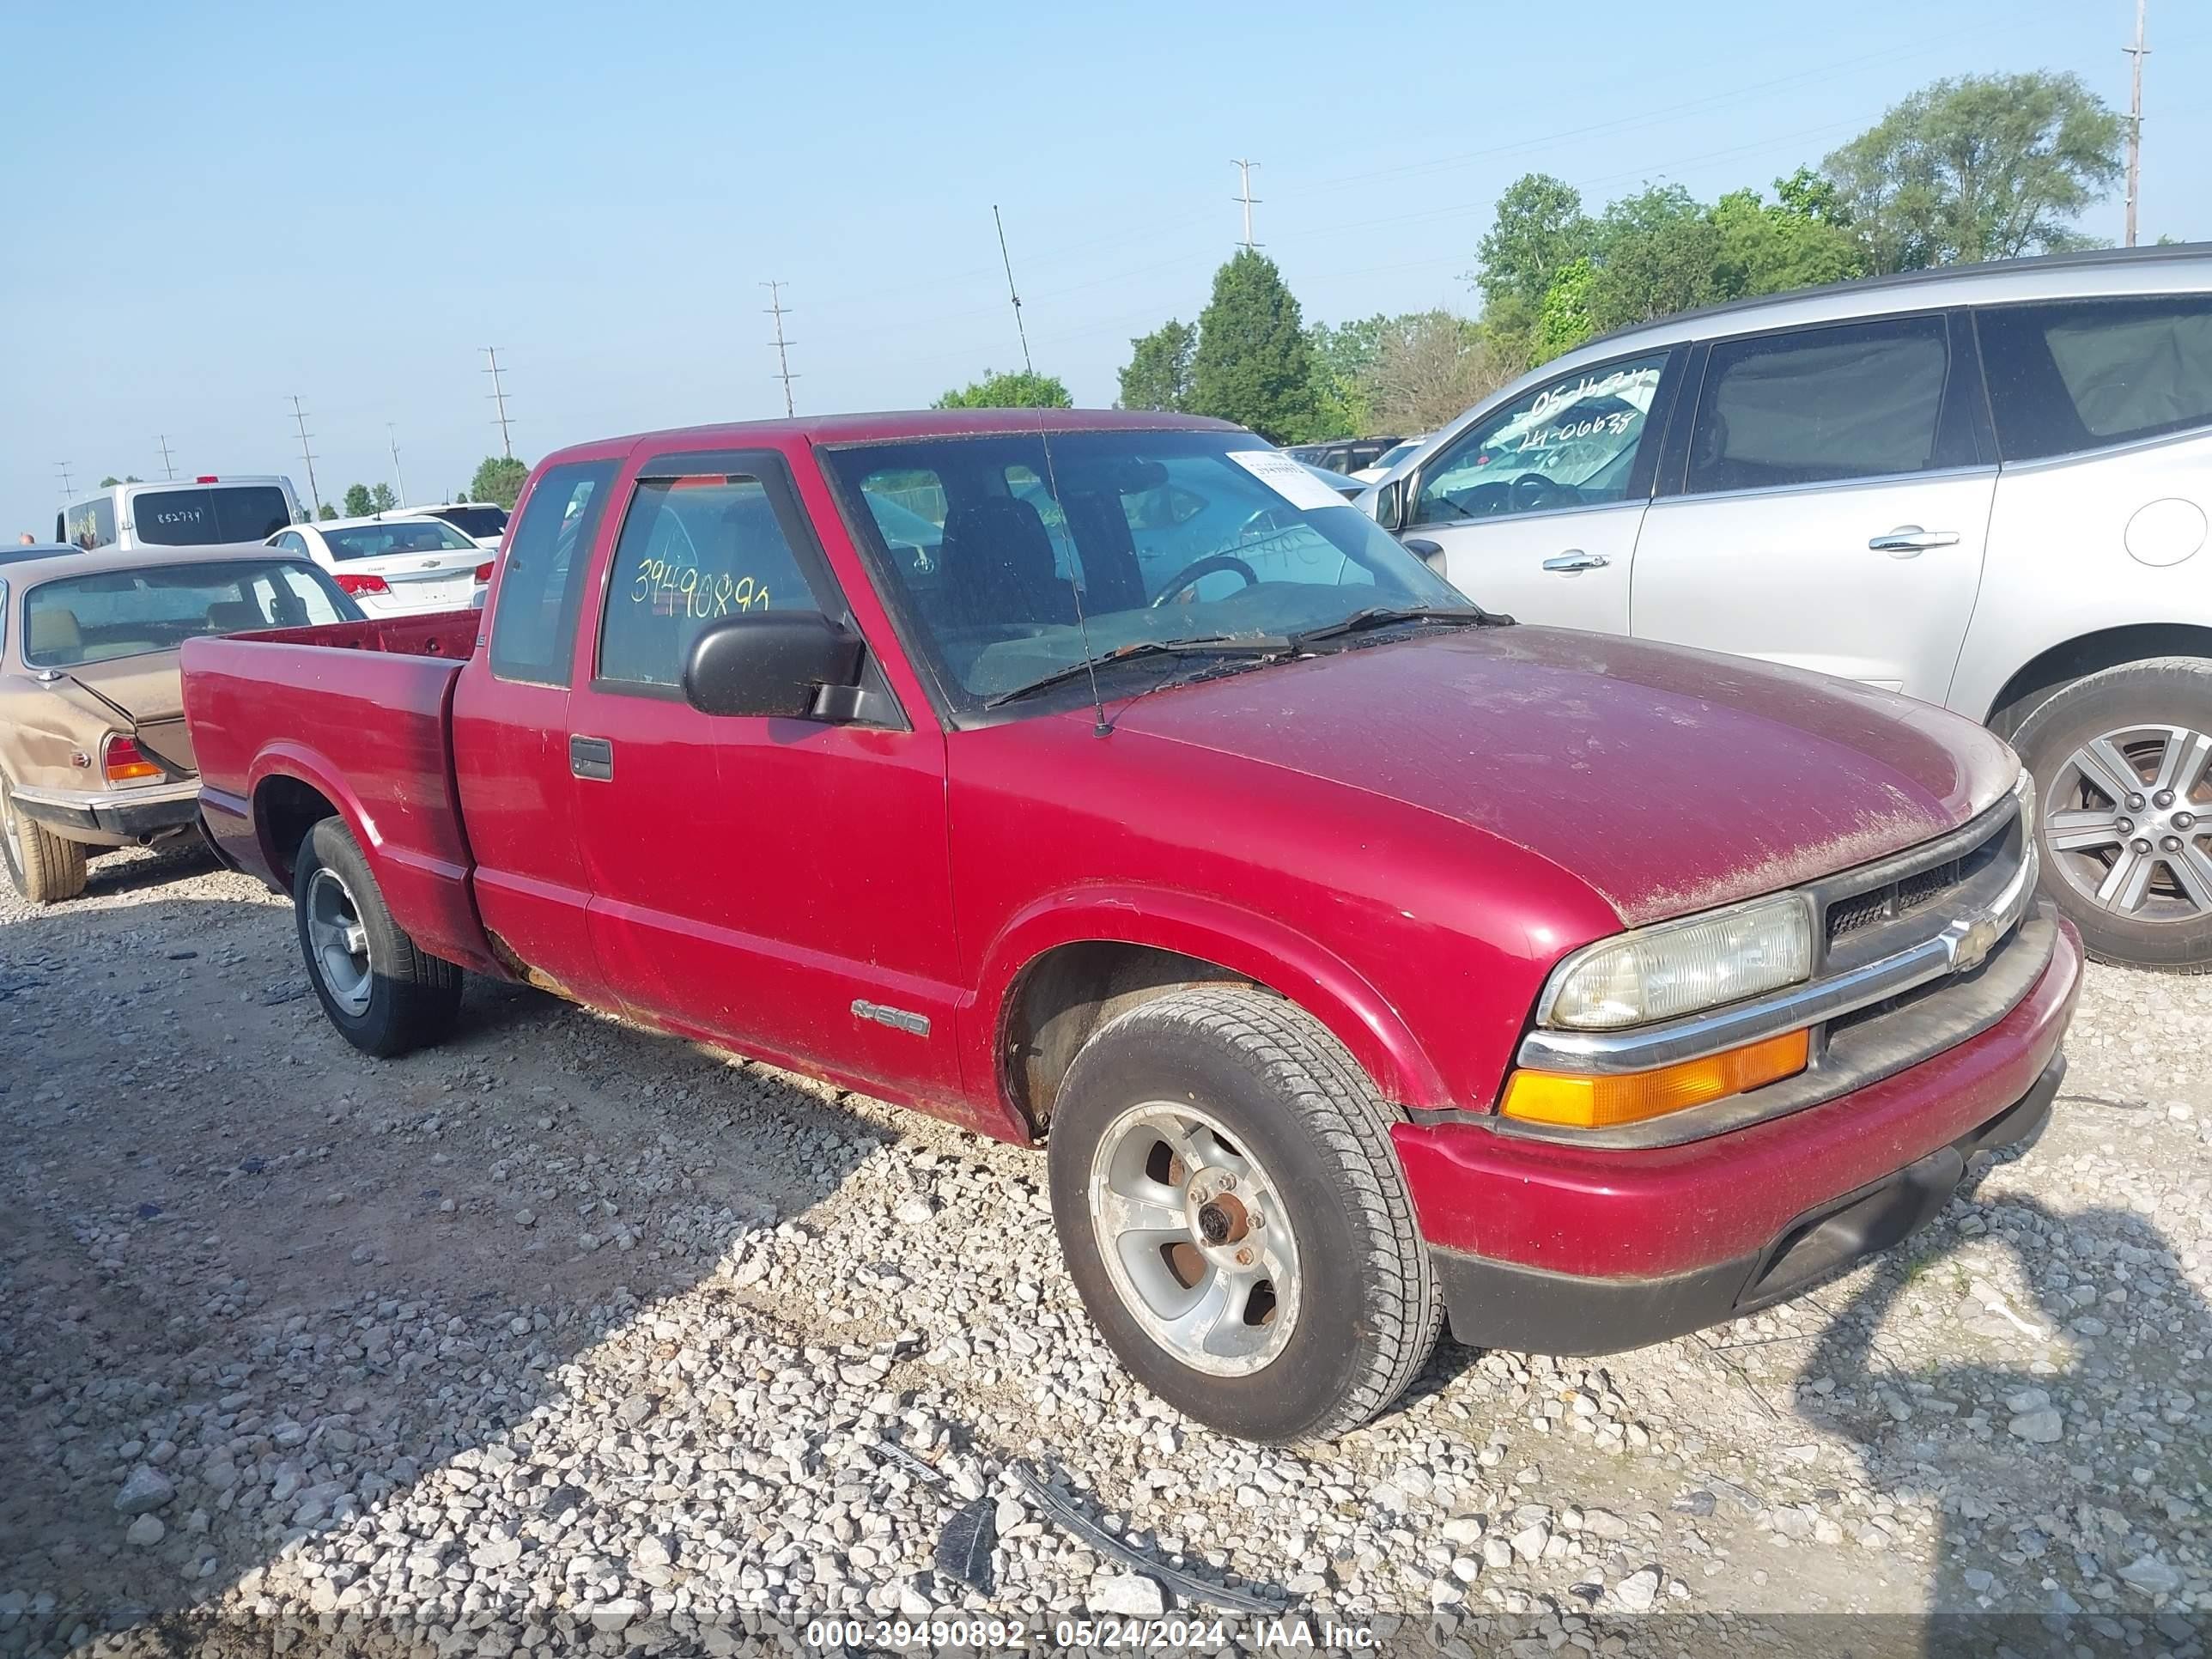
x=1103, y=727
x=1006, y=260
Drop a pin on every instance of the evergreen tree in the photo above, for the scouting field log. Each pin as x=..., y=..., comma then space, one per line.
x=1159, y=375
x=1254, y=363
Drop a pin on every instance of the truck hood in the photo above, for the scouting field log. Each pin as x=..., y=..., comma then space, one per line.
x=1667, y=780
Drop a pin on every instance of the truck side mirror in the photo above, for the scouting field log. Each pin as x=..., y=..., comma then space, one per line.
x=1390, y=505
x=800, y=665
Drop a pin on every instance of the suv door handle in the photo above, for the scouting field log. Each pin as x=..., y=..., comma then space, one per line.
x=1910, y=539
x=591, y=757
x=1575, y=559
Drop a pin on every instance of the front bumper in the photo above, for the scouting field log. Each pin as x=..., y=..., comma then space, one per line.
x=120, y=815
x=1559, y=1248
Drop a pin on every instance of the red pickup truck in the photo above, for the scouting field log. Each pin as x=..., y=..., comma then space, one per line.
x=1104, y=780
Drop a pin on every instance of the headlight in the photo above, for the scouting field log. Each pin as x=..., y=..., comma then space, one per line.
x=1681, y=967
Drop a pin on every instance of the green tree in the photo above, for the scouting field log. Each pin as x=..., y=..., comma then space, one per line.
x=1562, y=322
x=1765, y=247
x=1809, y=196
x=1158, y=372
x=1539, y=229
x=499, y=479
x=381, y=500
x=110, y=480
x=1982, y=167
x=1254, y=363
x=1022, y=389
x=358, y=501
x=327, y=511
x=1658, y=251
x=1342, y=358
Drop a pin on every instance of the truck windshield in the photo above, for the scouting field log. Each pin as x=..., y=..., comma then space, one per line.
x=210, y=515
x=129, y=613
x=991, y=543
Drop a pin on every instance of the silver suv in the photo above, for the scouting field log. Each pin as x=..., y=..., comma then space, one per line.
x=1986, y=487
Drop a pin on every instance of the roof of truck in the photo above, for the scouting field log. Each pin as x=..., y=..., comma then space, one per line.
x=912, y=424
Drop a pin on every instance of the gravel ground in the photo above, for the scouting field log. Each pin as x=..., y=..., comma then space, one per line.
x=574, y=1337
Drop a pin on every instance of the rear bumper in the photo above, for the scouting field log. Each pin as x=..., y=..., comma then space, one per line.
x=1564, y=1249
x=122, y=816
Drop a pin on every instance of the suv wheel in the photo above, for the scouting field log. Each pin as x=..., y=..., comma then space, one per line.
x=1234, y=1216
x=2122, y=765
x=41, y=866
x=386, y=996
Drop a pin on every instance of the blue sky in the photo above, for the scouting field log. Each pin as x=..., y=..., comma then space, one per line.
x=208, y=208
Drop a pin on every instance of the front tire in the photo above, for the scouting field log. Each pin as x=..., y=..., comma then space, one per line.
x=41, y=866
x=2122, y=765
x=385, y=995
x=1233, y=1217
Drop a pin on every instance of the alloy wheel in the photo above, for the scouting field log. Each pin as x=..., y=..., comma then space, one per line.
x=2126, y=821
x=339, y=941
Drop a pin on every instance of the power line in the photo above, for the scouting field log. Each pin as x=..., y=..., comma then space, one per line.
x=506, y=440
x=2138, y=51
x=162, y=438
x=314, y=491
x=1245, y=195
x=1006, y=260
x=776, y=309
x=391, y=432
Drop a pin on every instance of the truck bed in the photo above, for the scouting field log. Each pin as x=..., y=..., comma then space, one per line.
x=359, y=713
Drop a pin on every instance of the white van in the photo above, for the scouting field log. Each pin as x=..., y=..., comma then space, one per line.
x=203, y=512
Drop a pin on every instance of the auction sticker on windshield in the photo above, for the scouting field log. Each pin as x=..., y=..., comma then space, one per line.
x=1287, y=478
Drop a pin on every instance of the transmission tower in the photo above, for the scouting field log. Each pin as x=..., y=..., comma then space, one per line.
x=499, y=397
x=777, y=310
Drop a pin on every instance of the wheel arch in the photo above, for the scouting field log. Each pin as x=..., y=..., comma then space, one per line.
x=1068, y=966
x=2034, y=681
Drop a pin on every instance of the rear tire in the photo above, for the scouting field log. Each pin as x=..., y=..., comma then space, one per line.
x=41, y=866
x=2128, y=861
x=1335, y=1308
x=385, y=995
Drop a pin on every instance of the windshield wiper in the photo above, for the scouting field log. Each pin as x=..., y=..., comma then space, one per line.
x=1248, y=645
x=1381, y=616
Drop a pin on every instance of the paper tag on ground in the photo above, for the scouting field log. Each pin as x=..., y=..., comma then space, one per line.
x=1283, y=475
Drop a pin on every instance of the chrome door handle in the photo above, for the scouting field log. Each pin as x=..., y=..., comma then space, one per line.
x=1910, y=539
x=1575, y=559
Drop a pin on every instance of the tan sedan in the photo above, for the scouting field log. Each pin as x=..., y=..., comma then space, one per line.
x=94, y=751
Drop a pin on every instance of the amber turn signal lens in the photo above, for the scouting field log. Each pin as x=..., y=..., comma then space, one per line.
x=1605, y=1102
x=124, y=761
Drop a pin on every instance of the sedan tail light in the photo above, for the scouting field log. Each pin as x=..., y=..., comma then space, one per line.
x=483, y=571
x=361, y=583
x=123, y=760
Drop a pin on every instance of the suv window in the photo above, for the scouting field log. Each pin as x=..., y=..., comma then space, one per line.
x=1570, y=444
x=89, y=525
x=533, y=630
x=1820, y=406
x=694, y=550
x=2083, y=373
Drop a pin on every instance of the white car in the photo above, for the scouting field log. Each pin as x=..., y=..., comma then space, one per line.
x=208, y=511
x=393, y=565
x=1404, y=449
x=1988, y=487
x=482, y=522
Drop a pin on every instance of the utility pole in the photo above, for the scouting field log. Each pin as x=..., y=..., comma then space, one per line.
x=1028, y=368
x=162, y=438
x=61, y=467
x=315, y=494
x=1245, y=195
x=506, y=442
x=2138, y=51
x=393, y=435
x=775, y=309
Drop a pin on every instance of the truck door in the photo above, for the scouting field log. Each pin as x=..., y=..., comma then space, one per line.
x=510, y=725
x=780, y=884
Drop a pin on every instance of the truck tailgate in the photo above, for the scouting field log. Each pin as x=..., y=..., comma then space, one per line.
x=345, y=713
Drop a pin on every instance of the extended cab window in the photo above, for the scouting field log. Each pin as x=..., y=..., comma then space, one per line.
x=1821, y=405
x=533, y=630
x=1569, y=444
x=2084, y=373
x=694, y=550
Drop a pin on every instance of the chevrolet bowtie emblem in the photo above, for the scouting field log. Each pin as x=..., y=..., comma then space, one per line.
x=1974, y=944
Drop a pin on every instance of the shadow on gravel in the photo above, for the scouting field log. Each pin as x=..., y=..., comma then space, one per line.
x=196, y=1319
x=113, y=877
x=2102, y=1508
